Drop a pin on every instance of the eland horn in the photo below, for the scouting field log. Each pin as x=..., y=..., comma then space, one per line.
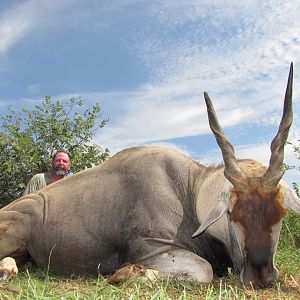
x=232, y=170
x=276, y=168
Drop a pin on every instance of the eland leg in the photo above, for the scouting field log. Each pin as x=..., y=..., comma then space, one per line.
x=181, y=264
x=14, y=232
x=178, y=263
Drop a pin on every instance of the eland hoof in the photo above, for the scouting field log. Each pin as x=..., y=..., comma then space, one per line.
x=127, y=272
x=8, y=268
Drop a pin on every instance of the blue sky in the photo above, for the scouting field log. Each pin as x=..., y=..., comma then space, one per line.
x=148, y=63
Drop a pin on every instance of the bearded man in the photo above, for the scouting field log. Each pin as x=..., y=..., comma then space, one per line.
x=61, y=164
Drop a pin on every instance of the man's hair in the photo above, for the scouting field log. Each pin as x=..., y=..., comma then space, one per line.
x=60, y=151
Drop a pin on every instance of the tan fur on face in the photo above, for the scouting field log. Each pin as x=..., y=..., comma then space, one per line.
x=257, y=212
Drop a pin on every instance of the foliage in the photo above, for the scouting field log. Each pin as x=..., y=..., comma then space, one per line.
x=291, y=225
x=296, y=188
x=29, y=138
x=290, y=232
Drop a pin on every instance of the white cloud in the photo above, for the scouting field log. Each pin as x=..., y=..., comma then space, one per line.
x=215, y=38
x=160, y=113
x=25, y=17
x=155, y=113
x=13, y=27
x=238, y=51
x=244, y=70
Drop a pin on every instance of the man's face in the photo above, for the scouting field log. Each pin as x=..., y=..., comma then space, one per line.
x=61, y=164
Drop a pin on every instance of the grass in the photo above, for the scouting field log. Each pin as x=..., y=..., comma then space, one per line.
x=38, y=284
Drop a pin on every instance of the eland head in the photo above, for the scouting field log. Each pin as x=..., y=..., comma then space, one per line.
x=256, y=205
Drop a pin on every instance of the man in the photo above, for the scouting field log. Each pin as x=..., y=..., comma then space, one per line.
x=61, y=165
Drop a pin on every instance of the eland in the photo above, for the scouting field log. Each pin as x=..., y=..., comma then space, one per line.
x=152, y=211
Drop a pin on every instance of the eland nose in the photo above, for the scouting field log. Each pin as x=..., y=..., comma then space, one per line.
x=262, y=278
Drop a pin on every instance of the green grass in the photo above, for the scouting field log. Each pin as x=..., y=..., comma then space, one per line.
x=37, y=284
x=288, y=254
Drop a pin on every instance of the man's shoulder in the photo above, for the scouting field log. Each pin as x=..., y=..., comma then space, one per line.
x=42, y=178
x=37, y=182
x=39, y=176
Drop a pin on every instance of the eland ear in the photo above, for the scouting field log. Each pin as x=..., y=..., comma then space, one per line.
x=290, y=198
x=215, y=214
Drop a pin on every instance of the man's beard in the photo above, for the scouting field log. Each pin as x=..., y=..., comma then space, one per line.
x=60, y=172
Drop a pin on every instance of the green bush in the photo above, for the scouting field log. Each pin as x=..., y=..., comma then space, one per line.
x=29, y=138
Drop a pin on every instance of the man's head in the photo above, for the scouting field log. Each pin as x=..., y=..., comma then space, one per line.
x=61, y=163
